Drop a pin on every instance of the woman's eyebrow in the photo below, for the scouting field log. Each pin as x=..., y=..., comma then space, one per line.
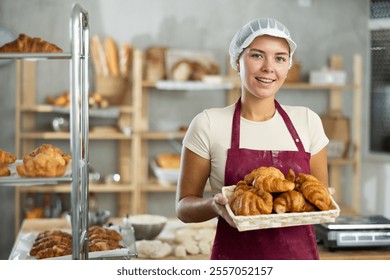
x=260, y=51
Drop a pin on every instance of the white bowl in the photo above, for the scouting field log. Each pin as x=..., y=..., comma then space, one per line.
x=94, y=218
x=147, y=226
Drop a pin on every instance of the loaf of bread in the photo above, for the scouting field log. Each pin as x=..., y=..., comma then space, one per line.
x=182, y=70
x=155, y=63
x=112, y=56
x=26, y=44
x=193, y=70
x=168, y=161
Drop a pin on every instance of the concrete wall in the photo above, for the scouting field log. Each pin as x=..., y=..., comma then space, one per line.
x=321, y=29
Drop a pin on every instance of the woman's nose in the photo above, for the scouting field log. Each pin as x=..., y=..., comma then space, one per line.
x=267, y=65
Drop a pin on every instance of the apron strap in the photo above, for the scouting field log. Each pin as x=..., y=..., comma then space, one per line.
x=236, y=126
x=290, y=127
x=235, y=142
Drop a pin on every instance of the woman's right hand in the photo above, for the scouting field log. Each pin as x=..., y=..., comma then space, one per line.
x=219, y=203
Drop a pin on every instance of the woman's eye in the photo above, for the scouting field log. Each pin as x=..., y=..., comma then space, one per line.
x=281, y=59
x=257, y=55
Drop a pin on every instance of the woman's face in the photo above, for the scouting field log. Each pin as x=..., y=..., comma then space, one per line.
x=263, y=66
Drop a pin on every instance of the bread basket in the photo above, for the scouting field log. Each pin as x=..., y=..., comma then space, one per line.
x=114, y=89
x=245, y=223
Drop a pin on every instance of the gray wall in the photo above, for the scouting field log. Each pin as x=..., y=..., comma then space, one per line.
x=324, y=28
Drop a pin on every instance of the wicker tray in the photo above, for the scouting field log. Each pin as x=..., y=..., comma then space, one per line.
x=245, y=223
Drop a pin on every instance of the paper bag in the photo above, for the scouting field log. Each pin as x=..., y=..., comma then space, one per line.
x=336, y=127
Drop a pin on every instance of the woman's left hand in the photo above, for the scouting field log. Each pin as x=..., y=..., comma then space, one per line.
x=219, y=203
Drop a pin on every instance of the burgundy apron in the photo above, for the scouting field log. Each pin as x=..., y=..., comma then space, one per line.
x=297, y=242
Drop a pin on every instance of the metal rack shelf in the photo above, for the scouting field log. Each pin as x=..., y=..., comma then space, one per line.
x=79, y=176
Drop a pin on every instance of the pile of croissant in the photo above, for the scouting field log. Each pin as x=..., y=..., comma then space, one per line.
x=45, y=161
x=57, y=243
x=266, y=190
x=6, y=158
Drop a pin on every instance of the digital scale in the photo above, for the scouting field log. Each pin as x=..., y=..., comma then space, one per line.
x=354, y=231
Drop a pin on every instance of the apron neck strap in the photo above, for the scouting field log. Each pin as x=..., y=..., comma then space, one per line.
x=235, y=142
x=290, y=127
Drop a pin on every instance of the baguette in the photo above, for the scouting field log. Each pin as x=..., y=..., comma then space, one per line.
x=99, y=57
x=112, y=56
x=125, y=59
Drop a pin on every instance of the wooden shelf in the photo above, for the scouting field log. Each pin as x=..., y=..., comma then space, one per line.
x=162, y=135
x=154, y=186
x=49, y=135
x=341, y=161
x=66, y=188
x=46, y=108
x=308, y=86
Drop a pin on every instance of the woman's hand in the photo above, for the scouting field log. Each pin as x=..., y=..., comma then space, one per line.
x=219, y=203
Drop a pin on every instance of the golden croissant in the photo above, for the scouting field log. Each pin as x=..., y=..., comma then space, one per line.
x=247, y=200
x=45, y=161
x=6, y=157
x=314, y=191
x=26, y=44
x=292, y=201
x=263, y=171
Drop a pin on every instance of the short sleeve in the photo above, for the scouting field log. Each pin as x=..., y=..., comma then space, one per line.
x=317, y=134
x=197, y=136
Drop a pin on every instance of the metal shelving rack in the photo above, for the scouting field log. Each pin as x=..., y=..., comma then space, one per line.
x=79, y=128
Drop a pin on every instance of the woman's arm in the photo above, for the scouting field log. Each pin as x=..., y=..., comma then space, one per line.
x=191, y=207
x=319, y=166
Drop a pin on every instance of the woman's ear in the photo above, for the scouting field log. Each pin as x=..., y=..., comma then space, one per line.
x=238, y=66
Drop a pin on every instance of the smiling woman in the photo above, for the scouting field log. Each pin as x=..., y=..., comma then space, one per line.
x=263, y=68
x=225, y=144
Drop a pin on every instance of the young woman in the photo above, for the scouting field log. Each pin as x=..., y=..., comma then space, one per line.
x=222, y=145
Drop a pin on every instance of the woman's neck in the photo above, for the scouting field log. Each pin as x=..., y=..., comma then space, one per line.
x=257, y=109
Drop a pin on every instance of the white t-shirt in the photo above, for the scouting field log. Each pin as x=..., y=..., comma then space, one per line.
x=209, y=136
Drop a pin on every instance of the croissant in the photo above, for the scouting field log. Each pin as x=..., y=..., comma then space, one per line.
x=292, y=201
x=290, y=176
x=263, y=171
x=103, y=245
x=272, y=184
x=45, y=245
x=4, y=171
x=45, y=161
x=6, y=157
x=26, y=44
x=55, y=251
x=252, y=202
x=314, y=191
x=98, y=232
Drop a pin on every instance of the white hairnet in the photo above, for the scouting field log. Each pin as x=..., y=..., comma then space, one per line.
x=255, y=28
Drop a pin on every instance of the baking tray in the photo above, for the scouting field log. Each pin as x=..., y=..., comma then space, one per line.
x=15, y=180
x=25, y=242
x=245, y=223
